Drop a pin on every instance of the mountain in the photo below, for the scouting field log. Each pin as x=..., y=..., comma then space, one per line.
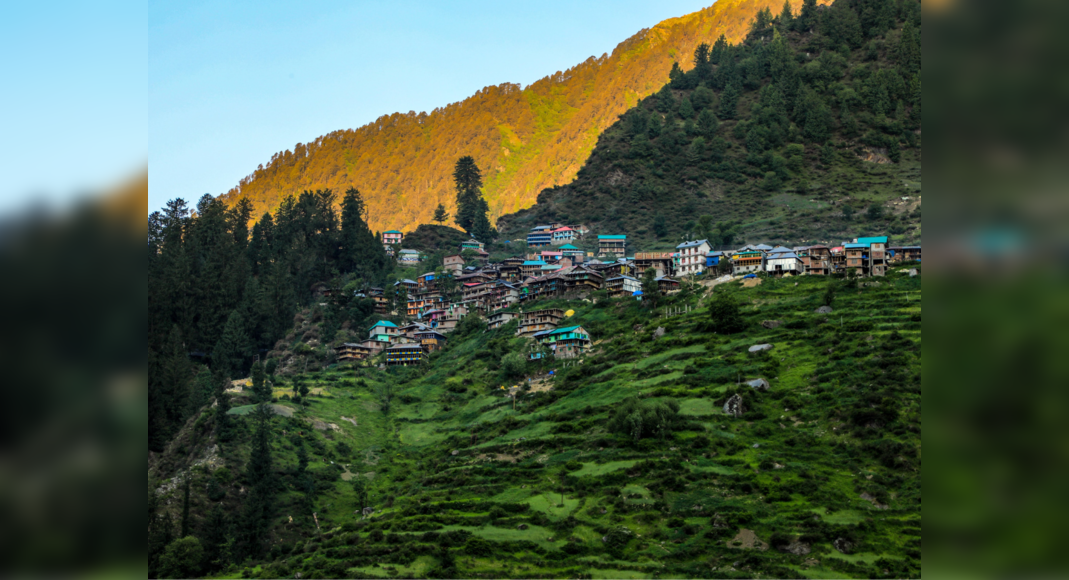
x=524, y=139
x=808, y=131
x=622, y=465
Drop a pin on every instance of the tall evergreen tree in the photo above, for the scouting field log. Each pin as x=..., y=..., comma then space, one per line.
x=666, y=102
x=361, y=251
x=233, y=348
x=468, y=181
x=786, y=16
x=686, y=110
x=260, y=389
x=729, y=102
x=909, y=51
x=807, y=18
x=440, y=215
x=258, y=508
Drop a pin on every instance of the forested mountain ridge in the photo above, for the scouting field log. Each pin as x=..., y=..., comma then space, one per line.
x=527, y=138
x=808, y=131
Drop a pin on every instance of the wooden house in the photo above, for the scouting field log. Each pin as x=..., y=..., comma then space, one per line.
x=431, y=340
x=667, y=285
x=622, y=286
x=472, y=244
x=563, y=235
x=747, y=260
x=540, y=236
x=454, y=263
x=565, y=343
x=350, y=351
x=898, y=254
x=661, y=262
x=499, y=319
x=613, y=245
x=409, y=257
x=575, y=254
x=583, y=278
x=538, y=320
x=531, y=268
x=384, y=330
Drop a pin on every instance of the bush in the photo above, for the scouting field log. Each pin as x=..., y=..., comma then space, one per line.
x=514, y=365
x=639, y=419
x=724, y=312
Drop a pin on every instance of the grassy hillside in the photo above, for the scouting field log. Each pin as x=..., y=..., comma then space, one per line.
x=525, y=139
x=820, y=145
x=466, y=483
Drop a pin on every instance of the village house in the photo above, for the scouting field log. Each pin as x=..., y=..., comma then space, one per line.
x=509, y=270
x=374, y=346
x=782, y=261
x=499, y=319
x=409, y=257
x=538, y=320
x=447, y=320
x=575, y=254
x=409, y=330
x=692, y=257
x=472, y=244
x=714, y=257
x=409, y=285
x=350, y=351
x=404, y=354
x=816, y=260
x=622, y=286
x=838, y=259
x=667, y=285
x=431, y=341
x=615, y=245
x=563, y=235
x=543, y=286
x=531, y=268
x=384, y=331
x=898, y=254
x=540, y=236
x=611, y=269
x=584, y=278
x=389, y=238
x=565, y=343
x=747, y=260
x=867, y=256
x=661, y=262
x=454, y=263
x=548, y=256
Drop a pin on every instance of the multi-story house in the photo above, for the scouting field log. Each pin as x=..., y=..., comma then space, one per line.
x=615, y=245
x=565, y=343
x=903, y=254
x=453, y=263
x=431, y=340
x=877, y=265
x=404, y=354
x=499, y=319
x=838, y=259
x=549, y=257
x=384, y=331
x=540, y=236
x=538, y=320
x=584, y=278
x=692, y=257
x=622, y=286
x=714, y=257
x=747, y=260
x=667, y=285
x=815, y=259
x=551, y=284
x=472, y=244
x=612, y=269
x=572, y=252
x=409, y=257
x=531, y=268
x=563, y=235
x=350, y=351
x=661, y=262
x=783, y=262
x=390, y=238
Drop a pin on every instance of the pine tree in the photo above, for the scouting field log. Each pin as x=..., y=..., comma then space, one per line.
x=729, y=102
x=214, y=537
x=440, y=215
x=233, y=347
x=653, y=126
x=720, y=47
x=686, y=110
x=807, y=18
x=708, y=123
x=666, y=102
x=260, y=389
x=786, y=16
x=651, y=293
x=676, y=77
x=361, y=251
x=909, y=52
x=468, y=181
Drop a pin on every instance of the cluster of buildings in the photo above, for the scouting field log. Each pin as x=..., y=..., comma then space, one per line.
x=437, y=302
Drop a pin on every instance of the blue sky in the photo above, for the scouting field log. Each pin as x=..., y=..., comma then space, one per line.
x=230, y=84
x=74, y=98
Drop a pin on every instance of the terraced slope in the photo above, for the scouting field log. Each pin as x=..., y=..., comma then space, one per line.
x=466, y=483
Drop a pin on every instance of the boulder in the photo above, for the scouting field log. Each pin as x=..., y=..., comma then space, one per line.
x=760, y=348
x=824, y=310
x=912, y=272
x=760, y=384
x=659, y=332
x=770, y=324
x=522, y=526
x=843, y=545
x=367, y=511
x=734, y=406
x=797, y=548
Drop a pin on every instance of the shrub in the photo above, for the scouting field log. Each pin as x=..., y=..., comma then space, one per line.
x=639, y=419
x=724, y=312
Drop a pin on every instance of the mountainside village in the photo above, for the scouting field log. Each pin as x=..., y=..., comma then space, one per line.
x=554, y=267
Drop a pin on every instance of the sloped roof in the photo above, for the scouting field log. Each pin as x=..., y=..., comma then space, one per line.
x=616, y=237
x=391, y=232
x=534, y=263
x=691, y=244
x=385, y=323
x=563, y=330
x=568, y=247
x=622, y=278
x=873, y=240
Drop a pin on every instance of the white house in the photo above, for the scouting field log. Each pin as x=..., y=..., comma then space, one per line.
x=783, y=261
x=692, y=257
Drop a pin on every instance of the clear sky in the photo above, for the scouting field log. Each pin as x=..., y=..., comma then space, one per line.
x=230, y=84
x=74, y=98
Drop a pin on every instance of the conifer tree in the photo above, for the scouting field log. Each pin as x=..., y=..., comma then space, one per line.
x=666, y=103
x=440, y=215
x=222, y=408
x=686, y=110
x=786, y=16
x=468, y=181
x=708, y=123
x=909, y=52
x=716, y=54
x=260, y=389
x=233, y=347
x=807, y=18
x=729, y=102
x=653, y=126
x=361, y=251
